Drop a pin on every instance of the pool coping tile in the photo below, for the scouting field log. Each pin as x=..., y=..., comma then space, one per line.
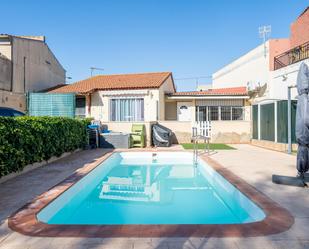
x=277, y=219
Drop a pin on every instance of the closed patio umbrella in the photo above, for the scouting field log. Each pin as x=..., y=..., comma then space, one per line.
x=302, y=120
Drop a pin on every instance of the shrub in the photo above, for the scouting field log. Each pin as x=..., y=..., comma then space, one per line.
x=26, y=140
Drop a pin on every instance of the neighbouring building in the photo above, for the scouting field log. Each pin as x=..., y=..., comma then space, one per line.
x=267, y=71
x=26, y=65
x=227, y=109
x=253, y=70
x=123, y=99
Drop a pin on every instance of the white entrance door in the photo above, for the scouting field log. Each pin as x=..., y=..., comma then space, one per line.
x=184, y=111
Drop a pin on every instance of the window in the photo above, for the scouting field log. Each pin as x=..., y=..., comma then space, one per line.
x=80, y=108
x=127, y=109
x=226, y=113
x=201, y=113
x=237, y=113
x=213, y=113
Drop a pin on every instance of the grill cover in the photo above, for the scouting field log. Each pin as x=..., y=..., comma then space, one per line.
x=302, y=120
x=161, y=136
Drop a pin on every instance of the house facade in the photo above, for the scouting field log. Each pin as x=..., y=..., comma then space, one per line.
x=226, y=108
x=148, y=98
x=26, y=65
x=268, y=71
x=122, y=97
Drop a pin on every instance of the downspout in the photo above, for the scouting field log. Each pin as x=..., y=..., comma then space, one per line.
x=88, y=104
x=24, y=74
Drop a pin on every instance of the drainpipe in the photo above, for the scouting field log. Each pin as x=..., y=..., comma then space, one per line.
x=24, y=74
x=289, y=122
x=88, y=104
x=259, y=121
x=12, y=64
x=276, y=120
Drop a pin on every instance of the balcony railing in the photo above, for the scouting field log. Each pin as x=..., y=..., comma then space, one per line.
x=292, y=56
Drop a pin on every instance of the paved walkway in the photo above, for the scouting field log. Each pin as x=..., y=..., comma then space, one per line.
x=253, y=164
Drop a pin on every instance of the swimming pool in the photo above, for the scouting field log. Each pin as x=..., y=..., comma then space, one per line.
x=132, y=188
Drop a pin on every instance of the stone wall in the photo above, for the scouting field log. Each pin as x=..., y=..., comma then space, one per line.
x=231, y=131
x=222, y=131
x=13, y=100
x=181, y=130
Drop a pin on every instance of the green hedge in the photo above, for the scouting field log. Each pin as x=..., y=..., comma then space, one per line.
x=26, y=140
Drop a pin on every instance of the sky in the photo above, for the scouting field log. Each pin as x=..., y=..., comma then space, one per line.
x=191, y=38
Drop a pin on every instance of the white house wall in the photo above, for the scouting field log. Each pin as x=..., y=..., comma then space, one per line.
x=100, y=103
x=221, y=131
x=167, y=87
x=252, y=67
x=154, y=101
x=282, y=78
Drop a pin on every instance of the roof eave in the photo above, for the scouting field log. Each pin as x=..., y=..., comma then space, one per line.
x=209, y=97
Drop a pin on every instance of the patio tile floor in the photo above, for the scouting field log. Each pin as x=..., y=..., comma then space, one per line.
x=253, y=164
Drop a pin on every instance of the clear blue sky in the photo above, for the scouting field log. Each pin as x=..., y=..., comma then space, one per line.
x=191, y=38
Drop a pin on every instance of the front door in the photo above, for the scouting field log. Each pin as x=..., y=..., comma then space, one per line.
x=184, y=111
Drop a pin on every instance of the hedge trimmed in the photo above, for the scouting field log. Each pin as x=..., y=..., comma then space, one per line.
x=26, y=140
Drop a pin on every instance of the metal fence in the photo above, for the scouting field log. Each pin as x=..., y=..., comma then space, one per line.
x=48, y=104
x=292, y=56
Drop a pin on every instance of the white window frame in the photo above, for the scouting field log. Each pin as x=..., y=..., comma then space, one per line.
x=135, y=109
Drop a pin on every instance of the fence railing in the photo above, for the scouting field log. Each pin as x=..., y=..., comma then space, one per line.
x=292, y=56
x=202, y=128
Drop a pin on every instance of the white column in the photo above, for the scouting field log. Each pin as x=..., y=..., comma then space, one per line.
x=259, y=121
x=198, y=113
x=275, y=117
x=88, y=105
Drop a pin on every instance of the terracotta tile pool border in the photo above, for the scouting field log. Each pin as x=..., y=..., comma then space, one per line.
x=25, y=220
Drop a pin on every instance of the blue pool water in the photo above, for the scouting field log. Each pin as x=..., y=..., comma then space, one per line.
x=139, y=188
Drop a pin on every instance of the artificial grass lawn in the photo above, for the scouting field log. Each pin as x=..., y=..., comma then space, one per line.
x=201, y=146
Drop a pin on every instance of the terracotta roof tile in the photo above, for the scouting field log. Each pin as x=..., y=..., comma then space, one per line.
x=238, y=91
x=116, y=82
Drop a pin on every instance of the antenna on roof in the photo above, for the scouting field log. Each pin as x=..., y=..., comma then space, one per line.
x=95, y=68
x=264, y=32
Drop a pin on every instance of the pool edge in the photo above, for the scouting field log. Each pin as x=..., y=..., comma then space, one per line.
x=277, y=219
